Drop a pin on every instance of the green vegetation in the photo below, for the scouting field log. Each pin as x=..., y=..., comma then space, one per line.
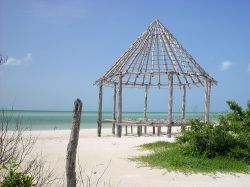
x=15, y=178
x=222, y=147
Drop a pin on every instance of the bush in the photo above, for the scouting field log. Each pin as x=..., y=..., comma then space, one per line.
x=18, y=179
x=18, y=163
x=230, y=137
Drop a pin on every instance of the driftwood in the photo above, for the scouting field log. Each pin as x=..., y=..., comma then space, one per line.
x=72, y=145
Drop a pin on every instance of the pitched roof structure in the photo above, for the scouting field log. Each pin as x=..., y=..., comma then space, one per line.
x=150, y=60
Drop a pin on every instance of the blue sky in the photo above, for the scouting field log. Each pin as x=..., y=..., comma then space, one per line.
x=58, y=48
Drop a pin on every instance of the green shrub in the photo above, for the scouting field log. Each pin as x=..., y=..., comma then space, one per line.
x=170, y=156
x=230, y=137
x=16, y=179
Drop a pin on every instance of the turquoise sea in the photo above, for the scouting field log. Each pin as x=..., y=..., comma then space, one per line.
x=50, y=120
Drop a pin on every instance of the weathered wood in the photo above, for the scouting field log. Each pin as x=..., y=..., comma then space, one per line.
x=153, y=130
x=183, y=108
x=145, y=107
x=72, y=145
x=176, y=123
x=207, y=99
x=131, y=129
x=153, y=56
x=114, y=110
x=158, y=131
x=119, y=128
x=170, y=105
x=139, y=130
x=99, y=131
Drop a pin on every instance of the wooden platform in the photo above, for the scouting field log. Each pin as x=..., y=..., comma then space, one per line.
x=149, y=123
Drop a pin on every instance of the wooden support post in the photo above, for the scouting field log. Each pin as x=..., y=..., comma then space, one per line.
x=119, y=127
x=207, y=99
x=131, y=129
x=170, y=104
x=114, y=110
x=183, y=107
x=158, y=131
x=99, y=131
x=72, y=145
x=145, y=108
x=126, y=130
x=138, y=131
x=153, y=130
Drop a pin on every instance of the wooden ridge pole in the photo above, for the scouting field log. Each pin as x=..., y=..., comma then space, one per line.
x=114, y=109
x=99, y=131
x=119, y=127
x=170, y=105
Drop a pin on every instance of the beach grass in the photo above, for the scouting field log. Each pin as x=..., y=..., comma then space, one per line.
x=169, y=156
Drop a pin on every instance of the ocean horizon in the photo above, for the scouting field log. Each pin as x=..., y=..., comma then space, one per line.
x=62, y=120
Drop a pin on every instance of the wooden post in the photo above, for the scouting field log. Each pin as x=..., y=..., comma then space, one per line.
x=72, y=145
x=153, y=129
x=207, y=99
x=183, y=106
x=114, y=110
x=126, y=130
x=145, y=108
x=119, y=127
x=138, y=130
x=99, y=131
x=159, y=131
x=170, y=104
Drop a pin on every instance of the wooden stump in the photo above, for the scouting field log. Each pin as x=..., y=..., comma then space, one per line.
x=72, y=145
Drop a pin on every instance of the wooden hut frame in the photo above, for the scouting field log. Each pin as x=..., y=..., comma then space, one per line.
x=155, y=59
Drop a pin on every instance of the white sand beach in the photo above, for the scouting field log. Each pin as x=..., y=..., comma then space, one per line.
x=95, y=153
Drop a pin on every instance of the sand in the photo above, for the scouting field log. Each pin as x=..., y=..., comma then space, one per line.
x=95, y=154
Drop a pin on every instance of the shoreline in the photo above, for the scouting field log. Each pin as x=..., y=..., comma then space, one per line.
x=95, y=153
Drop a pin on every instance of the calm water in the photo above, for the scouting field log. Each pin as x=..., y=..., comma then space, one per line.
x=44, y=120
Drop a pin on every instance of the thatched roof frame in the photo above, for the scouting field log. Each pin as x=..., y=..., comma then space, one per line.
x=150, y=60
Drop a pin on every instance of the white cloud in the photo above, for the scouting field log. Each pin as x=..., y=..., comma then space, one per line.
x=11, y=61
x=225, y=65
x=248, y=68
